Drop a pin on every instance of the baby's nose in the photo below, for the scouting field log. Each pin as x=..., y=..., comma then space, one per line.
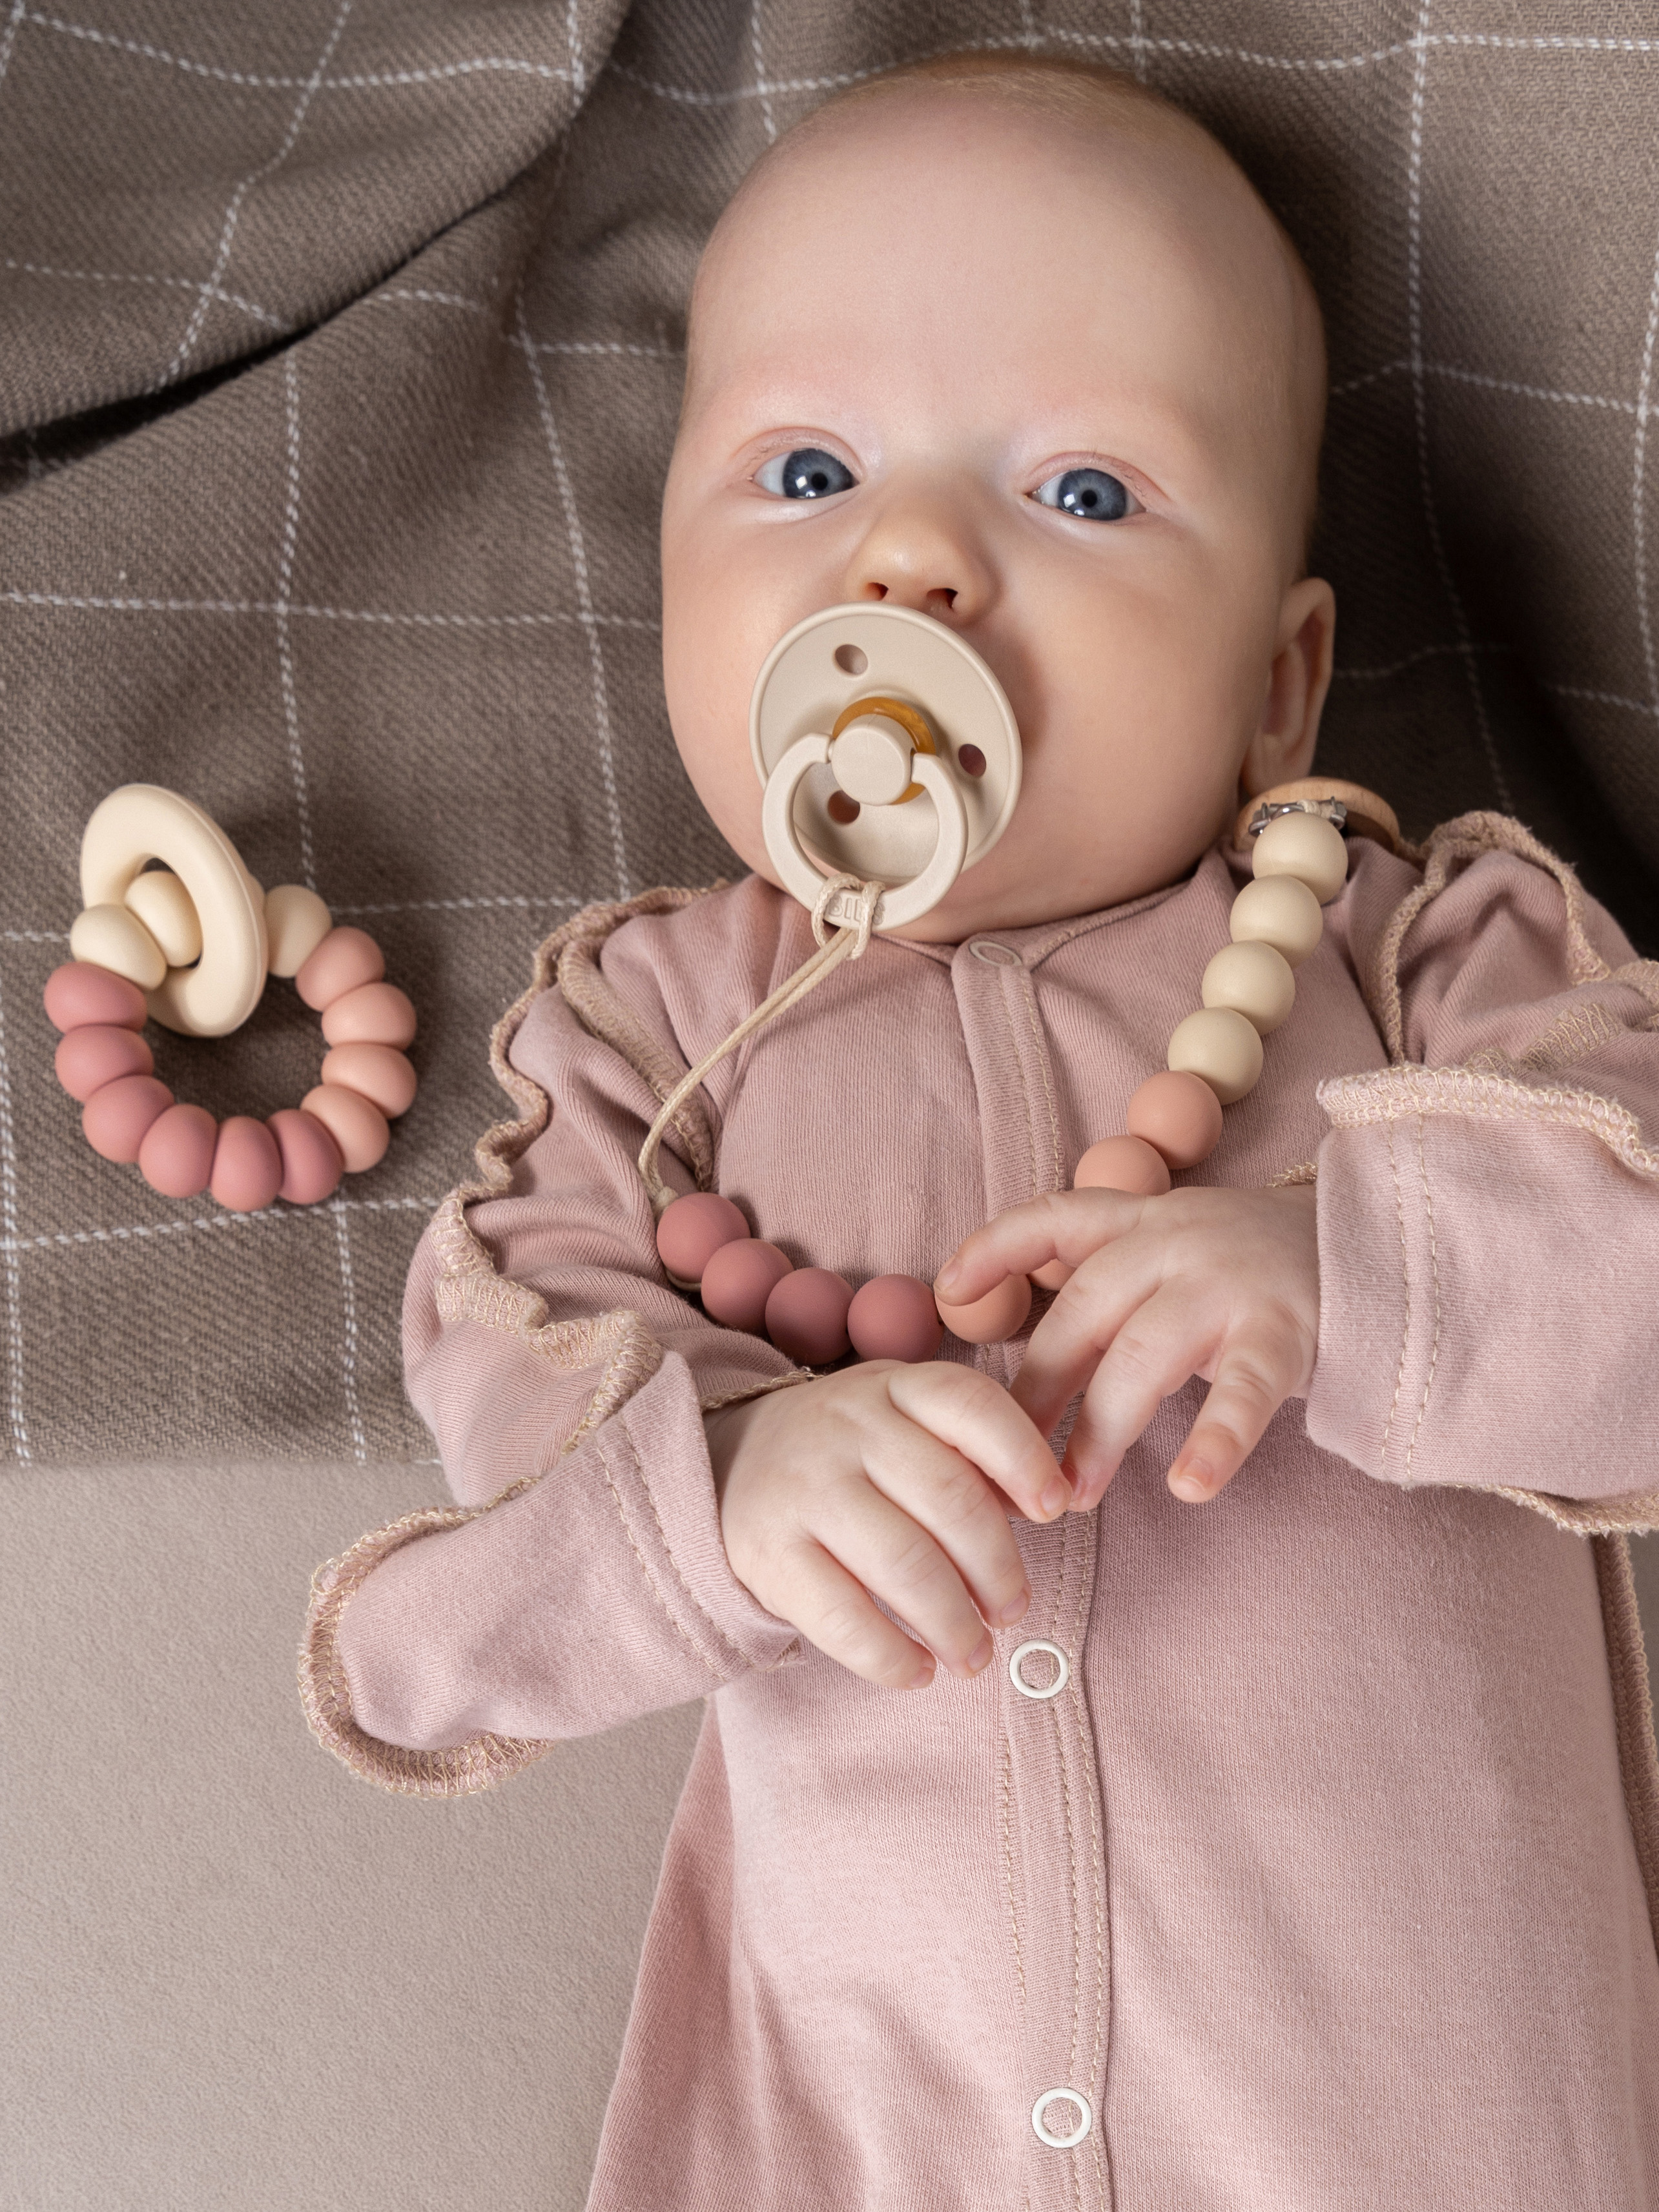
x=921, y=559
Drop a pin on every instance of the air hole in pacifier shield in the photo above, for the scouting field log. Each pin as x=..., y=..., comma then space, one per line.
x=851, y=662
x=971, y=761
x=839, y=807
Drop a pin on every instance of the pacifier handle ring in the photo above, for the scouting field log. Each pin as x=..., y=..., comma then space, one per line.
x=905, y=903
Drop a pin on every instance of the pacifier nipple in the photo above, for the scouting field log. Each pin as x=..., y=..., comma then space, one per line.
x=889, y=754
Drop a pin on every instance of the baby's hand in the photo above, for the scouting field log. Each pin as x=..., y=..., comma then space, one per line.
x=888, y=1479
x=1222, y=1283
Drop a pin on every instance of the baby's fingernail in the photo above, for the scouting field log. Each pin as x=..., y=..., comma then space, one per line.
x=1016, y=1611
x=922, y=1676
x=980, y=1656
x=1194, y=1483
x=1057, y=1496
x=946, y=1277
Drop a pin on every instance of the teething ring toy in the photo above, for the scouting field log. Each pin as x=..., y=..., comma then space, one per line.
x=191, y=943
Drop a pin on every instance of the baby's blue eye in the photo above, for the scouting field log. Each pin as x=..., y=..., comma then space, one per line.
x=1089, y=493
x=807, y=473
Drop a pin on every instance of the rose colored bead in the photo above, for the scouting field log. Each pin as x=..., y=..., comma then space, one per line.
x=79, y=993
x=374, y=1013
x=738, y=1278
x=176, y=1156
x=894, y=1317
x=807, y=1316
x=692, y=1229
x=247, y=1165
x=116, y=1120
x=86, y=1059
x=374, y=1071
x=358, y=1127
x=1178, y=1115
x=998, y=1316
x=310, y=1158
x=1123, y=1163
x=345, y=959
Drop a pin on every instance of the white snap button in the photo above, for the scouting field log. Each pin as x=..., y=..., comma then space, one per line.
x=992, y=954
x=1085, y=2118
x=1062, y=1672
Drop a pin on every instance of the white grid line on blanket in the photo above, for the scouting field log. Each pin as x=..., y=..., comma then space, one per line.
x=584, y=597
x=758, y=56
x=573, y=39
x=176, y=284
x=1420, y=404
x=9, y=38
x=461, y=905
x=296, y=759
x=1603, y=698
x=599, y=346
x=368, y=81
x=35, y=936
x=234, y=212
x=1487, y=384
x=541, y=619
x=14, y=1414
x=1411, y=660
x=13, y=1245
x=349, y=1345
x=1638, y=491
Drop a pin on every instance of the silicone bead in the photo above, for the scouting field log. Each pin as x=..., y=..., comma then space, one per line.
x=807, y=1316
x=79, y=993
x=1222, y=1047
x=1122, y=1164
x=1256, y=981
x=168, y=912
x=374, y=1013
x=1178, y=1115
x=296, y=922
x=692, y=1229
x=118, y=940
x=894, y=1317
x=176, y=1156
x=88, y=1059
x=738, y=1278
x=247, y=1165
x=312, y=1166
x=358, y=1127
x=999, y=1315
x=345, y=959
x=374, y=1071
x=116, y=1120
x=1307, y=847
x=1280, y=911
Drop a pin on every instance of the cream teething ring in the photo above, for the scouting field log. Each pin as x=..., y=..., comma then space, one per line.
x=191, y=943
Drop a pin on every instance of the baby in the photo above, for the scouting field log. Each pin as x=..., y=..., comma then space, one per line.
x=1303, y=1863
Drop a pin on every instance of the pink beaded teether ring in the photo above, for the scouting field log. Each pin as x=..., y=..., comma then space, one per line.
x=191, y=943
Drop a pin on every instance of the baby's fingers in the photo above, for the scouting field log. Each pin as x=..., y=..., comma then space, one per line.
x=1065, y=1225
x=1255, y=1371
x=814, y=1594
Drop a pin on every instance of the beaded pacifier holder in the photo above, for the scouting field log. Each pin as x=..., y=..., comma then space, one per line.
x=190, y=943
x=910, y=709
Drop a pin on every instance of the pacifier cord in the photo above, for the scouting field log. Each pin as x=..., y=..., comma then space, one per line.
x=850, y=942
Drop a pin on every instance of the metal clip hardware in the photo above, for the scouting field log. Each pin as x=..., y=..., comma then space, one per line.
x=1328, y=810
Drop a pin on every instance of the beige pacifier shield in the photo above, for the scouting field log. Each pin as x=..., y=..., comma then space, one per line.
x=141, y=821
x=832, y=659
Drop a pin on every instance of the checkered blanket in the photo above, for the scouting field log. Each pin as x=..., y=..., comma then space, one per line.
x=340, y=354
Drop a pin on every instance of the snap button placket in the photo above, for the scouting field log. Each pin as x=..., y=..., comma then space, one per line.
x=1062, y=1674
x=1080, y=2104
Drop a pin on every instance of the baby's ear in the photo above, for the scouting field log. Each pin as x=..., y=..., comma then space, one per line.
x=1283, y=747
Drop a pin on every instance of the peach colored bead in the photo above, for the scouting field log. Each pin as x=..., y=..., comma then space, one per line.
x=116, y=1120
x=807, y=1316
x=359, y=1128
x=176, y=1156
x=247, y=1165
x=88, y=1059
x=1280, y=911
x=1222, y=1047
x=1127, y=1163
x=374, y=1013
x=374, y=1071
x=345, y=959
x=1256, y=981
x=998, y=1316
x=79, y=993
x=894, y=1317
x=738, y=1278
x=1051, y=1275
x=692, y=1229
x=311, y=1159
x=1179, y=1116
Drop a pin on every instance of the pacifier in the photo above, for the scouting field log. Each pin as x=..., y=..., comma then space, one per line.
x=888, y=752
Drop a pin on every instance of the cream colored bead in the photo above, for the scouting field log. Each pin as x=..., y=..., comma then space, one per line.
x=1308, y=847
x=169, y=912
x=1256, y=981
x=113, y=938
x=1280, y=911
x=1222, y=1047
x=296, y=922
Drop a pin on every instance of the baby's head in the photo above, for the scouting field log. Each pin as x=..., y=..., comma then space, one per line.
x=1015, y=343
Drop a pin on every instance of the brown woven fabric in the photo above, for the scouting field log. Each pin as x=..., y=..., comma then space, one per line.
x=339, y=364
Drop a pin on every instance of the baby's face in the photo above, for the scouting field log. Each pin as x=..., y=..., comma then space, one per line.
x=1036, y=377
